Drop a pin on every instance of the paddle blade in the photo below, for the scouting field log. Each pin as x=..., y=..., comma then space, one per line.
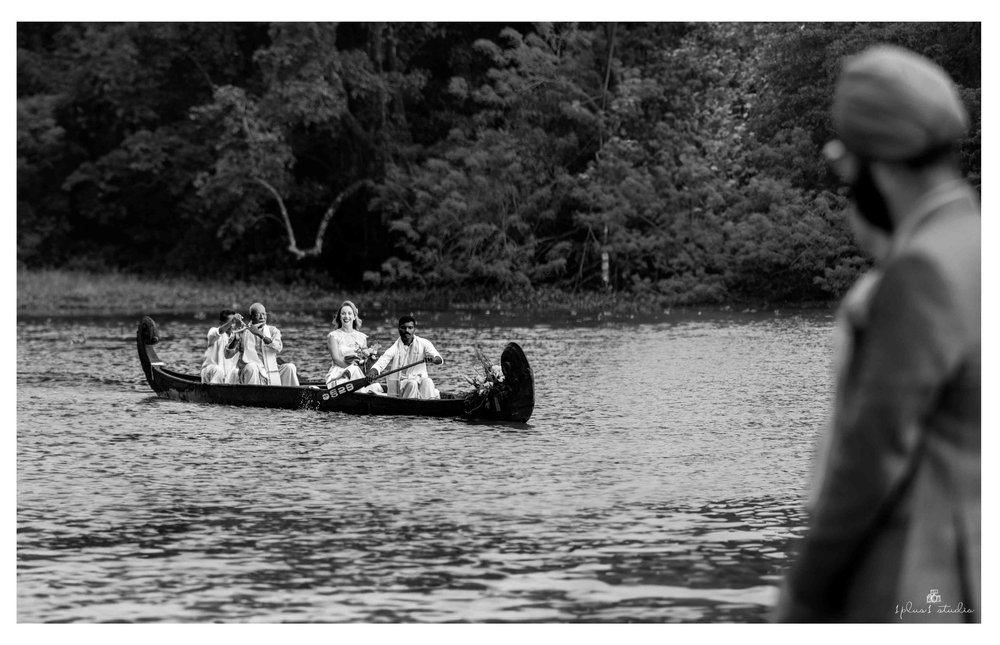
x=353, y=386
x=348, y=388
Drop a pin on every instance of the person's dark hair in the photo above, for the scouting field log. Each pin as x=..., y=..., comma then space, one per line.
x=225, y=314
x=407, y=318
x=870, y=201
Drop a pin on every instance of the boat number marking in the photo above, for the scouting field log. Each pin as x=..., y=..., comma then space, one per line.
x=337, y=391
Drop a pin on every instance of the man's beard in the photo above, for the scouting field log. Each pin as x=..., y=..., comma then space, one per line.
x=869, y=201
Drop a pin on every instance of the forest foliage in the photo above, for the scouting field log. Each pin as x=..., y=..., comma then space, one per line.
x=469, y=156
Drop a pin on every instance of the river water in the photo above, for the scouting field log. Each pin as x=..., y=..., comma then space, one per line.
x=659, y=480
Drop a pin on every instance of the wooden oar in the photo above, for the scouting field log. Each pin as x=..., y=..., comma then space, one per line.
x=358, y=383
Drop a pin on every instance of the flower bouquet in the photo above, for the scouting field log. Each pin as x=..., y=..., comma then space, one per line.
x=488, y=388
x=366, y=356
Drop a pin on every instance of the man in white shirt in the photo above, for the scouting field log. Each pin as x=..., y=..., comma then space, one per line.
x=257, y=348
x=217, y=367
x=413, y=382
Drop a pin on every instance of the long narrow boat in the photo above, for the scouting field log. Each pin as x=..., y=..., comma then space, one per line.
x=514, y=402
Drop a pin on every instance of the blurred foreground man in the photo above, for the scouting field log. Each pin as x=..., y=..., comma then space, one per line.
x=894, y=534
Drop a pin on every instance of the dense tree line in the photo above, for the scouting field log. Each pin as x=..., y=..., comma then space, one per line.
x=461, y=155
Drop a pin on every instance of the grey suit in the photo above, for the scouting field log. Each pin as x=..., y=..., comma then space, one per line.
x=897, y=516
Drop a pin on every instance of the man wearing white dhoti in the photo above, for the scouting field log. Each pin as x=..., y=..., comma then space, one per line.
x=217, y=366
x=258, y=347
x=413, y=382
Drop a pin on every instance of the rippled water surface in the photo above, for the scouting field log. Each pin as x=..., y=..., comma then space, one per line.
x=659, y=480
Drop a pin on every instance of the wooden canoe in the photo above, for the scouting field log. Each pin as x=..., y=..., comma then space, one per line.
x=516, y=404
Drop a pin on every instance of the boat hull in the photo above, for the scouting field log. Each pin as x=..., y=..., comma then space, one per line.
x=516, y=406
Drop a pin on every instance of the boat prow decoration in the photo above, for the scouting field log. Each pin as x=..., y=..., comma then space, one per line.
x=146, y=336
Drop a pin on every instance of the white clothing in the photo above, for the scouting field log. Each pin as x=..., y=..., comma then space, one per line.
x=259, y=360
x=348, y=342
x=216, y=368
x=413, y=382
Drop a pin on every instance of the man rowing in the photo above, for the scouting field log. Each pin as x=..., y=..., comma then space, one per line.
x=413, y=382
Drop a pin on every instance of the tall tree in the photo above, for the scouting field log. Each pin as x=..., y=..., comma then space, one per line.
x=316, y=133
x=485, y=202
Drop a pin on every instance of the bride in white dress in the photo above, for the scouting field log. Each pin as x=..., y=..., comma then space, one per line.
x=346, y=343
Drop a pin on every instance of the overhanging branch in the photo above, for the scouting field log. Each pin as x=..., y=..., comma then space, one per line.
x=317, y=247
x=292, y=244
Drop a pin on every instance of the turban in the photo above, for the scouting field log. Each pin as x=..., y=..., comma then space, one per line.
x=894, y=105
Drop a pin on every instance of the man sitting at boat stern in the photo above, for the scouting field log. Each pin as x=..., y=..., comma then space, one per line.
x=220, y=365
x=257, y=347
x=413, y=382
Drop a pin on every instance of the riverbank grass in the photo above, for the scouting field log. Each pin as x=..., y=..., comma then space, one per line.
x=60, y=292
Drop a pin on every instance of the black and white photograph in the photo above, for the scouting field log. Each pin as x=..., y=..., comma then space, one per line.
x=656, y=323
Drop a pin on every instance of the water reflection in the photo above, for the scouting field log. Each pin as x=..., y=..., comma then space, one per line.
x=658, y=481
x=369, y=563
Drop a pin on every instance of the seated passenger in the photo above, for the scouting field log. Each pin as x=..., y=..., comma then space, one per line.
x=217, y=366
x=346, y=344
x=413, y=382
x=258, y=347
